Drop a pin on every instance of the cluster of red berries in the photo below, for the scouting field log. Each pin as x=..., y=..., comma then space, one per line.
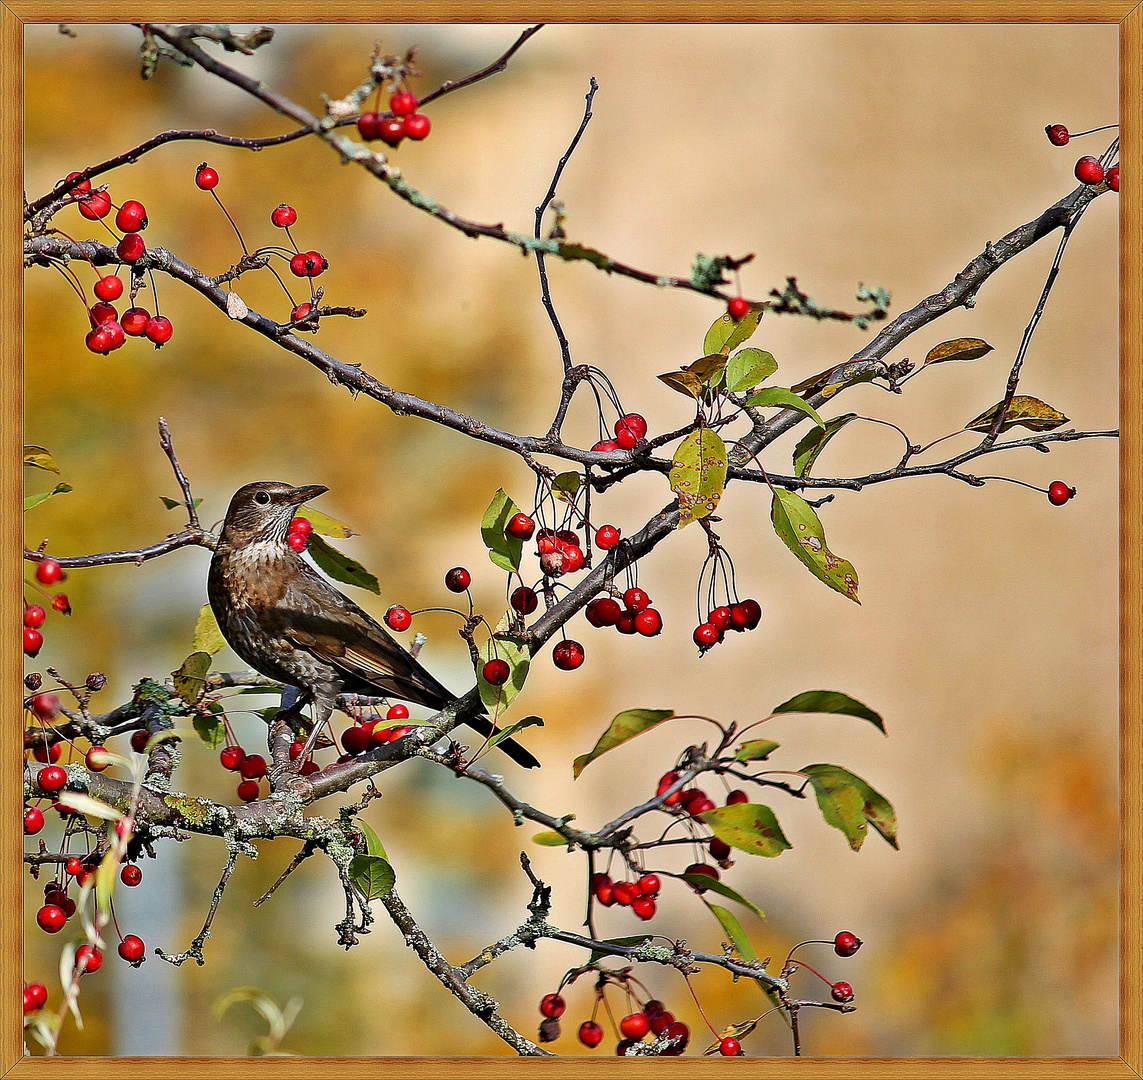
x=400, y=122
x=35, y=996
x=629, y=430
x=740, y=616
x=368, y=734
x=653, y=1018
x=636, y=616
x=251, y=767
x=1089, y=170
x=1059, y=493
x=48, y=572
x=298, y=535
x=639, y=895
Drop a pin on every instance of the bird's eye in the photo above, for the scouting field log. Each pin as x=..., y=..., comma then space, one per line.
x=262, y=497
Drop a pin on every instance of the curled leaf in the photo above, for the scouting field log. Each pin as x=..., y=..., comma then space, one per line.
x=207, y=636
x=40, y=458
x=190, y=678
x=684, y=382
x=626, y=725
x=566, y=486
x=965, y=348
x=830, y=701
x=1028, y=412
x=705, y=883
x=847, y=803
x=813, y=442
x=755, y=750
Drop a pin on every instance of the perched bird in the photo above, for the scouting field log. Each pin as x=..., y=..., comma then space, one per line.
x=288, y=623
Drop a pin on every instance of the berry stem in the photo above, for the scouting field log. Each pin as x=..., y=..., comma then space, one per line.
x=231, y=220
x=706, y=1019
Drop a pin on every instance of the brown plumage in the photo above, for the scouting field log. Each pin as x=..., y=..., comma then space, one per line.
x=288, y=623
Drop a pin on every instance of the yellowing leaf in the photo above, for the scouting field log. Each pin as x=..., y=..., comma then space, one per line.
x=190, y=677
x=847, y=802
x=748, y=367
x=708, y=369
x=750, y=827
x=549, y=838
x=1028, y=412
x=813, y=442
x=965, y=348
x=207, y=636
x=726, y=333
x=755, y=750
x=796, y=523
x=698, y=474
x=566, y=486
x=684, y=382
x=40, y=458
x=326, y=525
x=626, y=725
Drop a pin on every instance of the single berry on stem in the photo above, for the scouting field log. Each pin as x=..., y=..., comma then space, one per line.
x=132, y=217
x=158, y=329
x=418, y=126
x=206, y=177
x=48, y=572
x=524, y=600
x=1089, y=170
x=496, y=672
x=402, y=103
x=846, y=944
x=398, y=618
x=457, y=579
x=397, y=712
x=283, y=216
x=33, y=641
x=738, y=307
x=33, y=820
x=1057, y=134
x=567, y=655
x=730, y=1047
x=131, y=949
x=131, y=875
x=634, y=1026
x=95, y=206
x=649, y=622
x=590, y=1033
x=552, y=1005
x=842, y=992
x=705, y=635
x=232, y=757
x=248, y=790
x=51, y=918
x=391, y=130
x=1112, y=178
x=1059, y=493
x=109, y=288
x=606, y=537
x=520, y=527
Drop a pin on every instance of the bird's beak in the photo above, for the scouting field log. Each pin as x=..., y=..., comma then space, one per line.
x=304, y=494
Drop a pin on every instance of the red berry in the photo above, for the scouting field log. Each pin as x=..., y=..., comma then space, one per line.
x=846, y=944
x=101, y=313
x=605, y=446
x=95, y=206
x=248, y=790
x=567, y=655
x=98, y=341
x=299, y=312
x=134, y=321
x=33, y=820
x=368, y=127
x=737, y=796
x=842, y=992
x=636, y=600
x=109, y=288
x=623, y=1046
x=625, y=439
x=391, y=130
x=418, y=126
x=730, y=1047
x=232, y=757
x=51, y=778
x=131, y=875
x=598, y=880
x=34, y=616
x=77, y=189
x=309, y=767
x=399, y=732
x=521, y=527
x=139, y=740
x=496, y=672
x=701, y=868
x=653, y=1008
x=666, y=781
x=1059, y=493
x=679, y=1034
x=738, y=307
x=699, y=806
x=114, y=332
x=552, y=1005
x=402, y=103
x=720, y=618
x=73, y=866
x=132, y=217
x=705, y=635
x=283, y=216
x=624, y=893
x=131, y=948
x=660, y=1020
x=301, y=525
x=206, y=177
x=1089, y=170
x=380, y=735
x=634, y=423
x=719, y=849
x=606, y=537
x=297, y=542
x=590, y=1033
x=96, y=759
x=159, y=330
x=1057, y=134
x=398, y=618
x=51, y=918
x=45, y=706
x=751, y=610
x=649, y=884
x=573, y=560
x=355, y=740
x=524, y=600
x=308, y=264
x=252, y=767
x=1112, y=178
x=607, y=612
x=568, y=538
x=48, y=572
x=605, y=894
x=318, y=263
x=36, y=994
x=626, y=623
x=397, y=712
x=33, y=641
x=61, y=604
x=649, y=622
x=43, y=753
x=457, y=579
x=634, y=1026
x=131, y=247
x=88, y=959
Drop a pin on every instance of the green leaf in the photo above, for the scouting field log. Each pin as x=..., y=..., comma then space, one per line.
x=813, y=442
x=698, y=474
x=965, y=348
x=520, y=725
x=371, y=875
x=847, y=802
x=627, y=942
x=830, y=701
x=516, y=656
x=207, y=636
x=780, y=397
x=734, y=931
x=211, y=729
x=35, y=500
x=1028, y=412
x=684, y=382
x=171, y=504
x=37, y=457
x=750, y=827
x=755, y=750
x=704, y=881
x=796, y=523
x=726, y=333
x=566, y=486
x=373, y=845
x=326, y=525
x=340, y=566
x=626, y=725
x=190, y=677
x=549, y=838
x=503, y=550
x=748, y=367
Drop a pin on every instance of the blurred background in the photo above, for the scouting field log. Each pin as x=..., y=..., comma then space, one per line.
x=987, y=635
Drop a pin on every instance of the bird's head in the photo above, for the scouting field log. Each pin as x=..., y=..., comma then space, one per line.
x=262, y=511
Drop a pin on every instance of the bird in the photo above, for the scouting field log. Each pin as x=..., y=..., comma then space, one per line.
x=290, y=624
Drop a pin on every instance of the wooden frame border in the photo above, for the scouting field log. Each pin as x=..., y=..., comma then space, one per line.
x=1129, y=16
